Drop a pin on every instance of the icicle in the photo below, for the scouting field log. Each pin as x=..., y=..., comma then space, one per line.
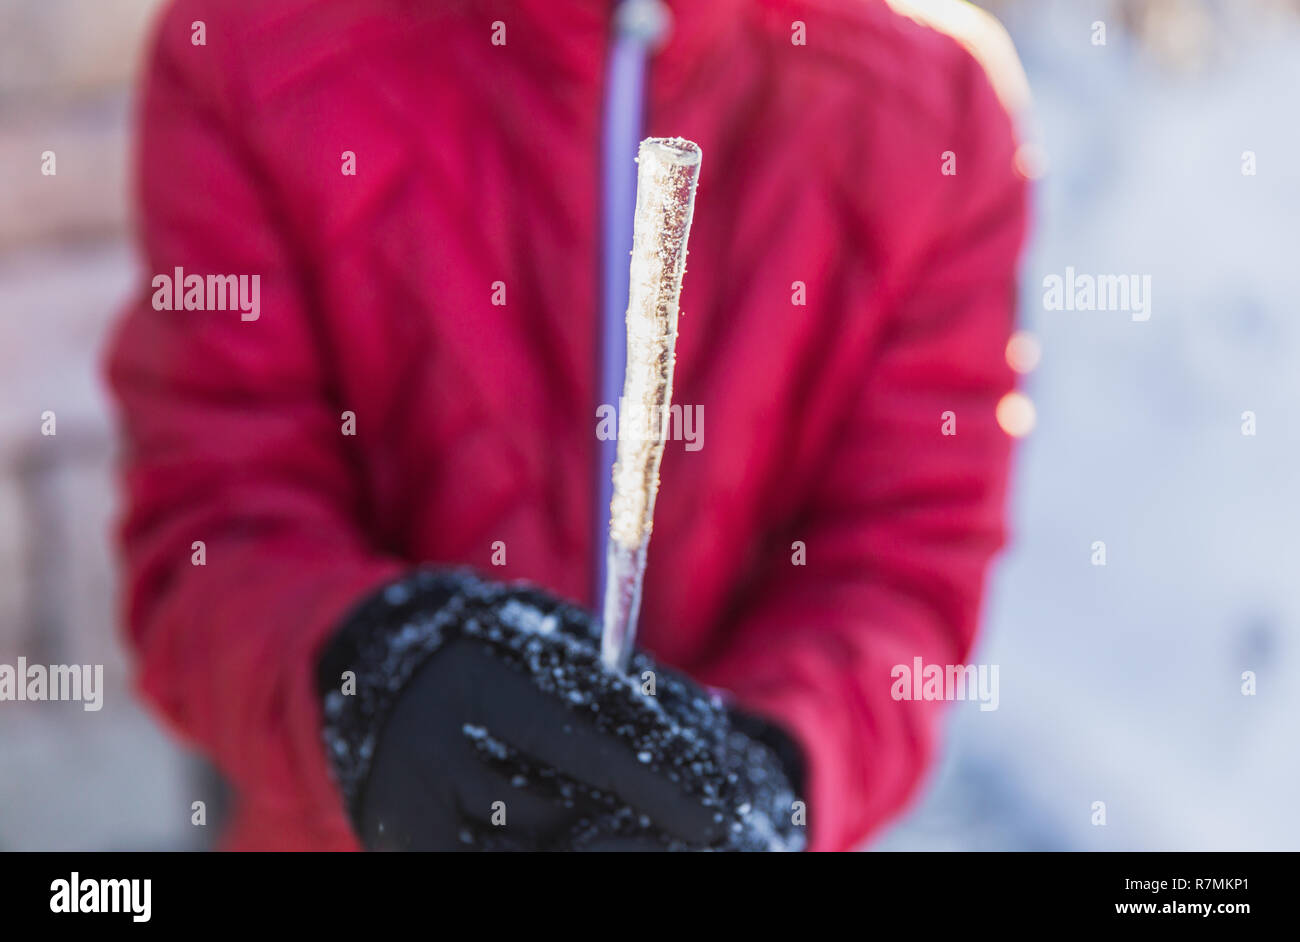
x=667, y=171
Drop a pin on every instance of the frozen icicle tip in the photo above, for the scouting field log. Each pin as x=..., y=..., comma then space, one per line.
x=674, y=151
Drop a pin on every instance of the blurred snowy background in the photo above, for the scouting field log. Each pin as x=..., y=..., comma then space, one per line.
x=71, y=779
x=1118, y=683
x=1122, y=683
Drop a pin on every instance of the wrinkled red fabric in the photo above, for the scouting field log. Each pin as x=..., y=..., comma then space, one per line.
x=842, y=294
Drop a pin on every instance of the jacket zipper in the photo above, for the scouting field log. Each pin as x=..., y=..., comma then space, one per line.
x=638, y=24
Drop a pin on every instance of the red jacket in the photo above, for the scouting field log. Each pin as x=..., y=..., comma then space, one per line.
x=476, y=422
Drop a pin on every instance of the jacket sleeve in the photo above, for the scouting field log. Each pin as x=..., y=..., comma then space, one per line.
x=904, y=521
x=232, y=440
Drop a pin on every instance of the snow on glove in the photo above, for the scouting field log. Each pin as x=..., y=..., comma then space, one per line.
x=482, y=718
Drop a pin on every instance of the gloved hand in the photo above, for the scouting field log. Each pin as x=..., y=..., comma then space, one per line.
x=482, y=718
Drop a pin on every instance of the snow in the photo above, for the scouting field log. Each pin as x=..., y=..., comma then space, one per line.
x=1123, y=683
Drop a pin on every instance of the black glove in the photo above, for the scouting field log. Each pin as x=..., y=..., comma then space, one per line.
x=482, y=718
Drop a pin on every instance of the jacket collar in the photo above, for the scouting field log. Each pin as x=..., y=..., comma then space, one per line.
x=571, y=38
